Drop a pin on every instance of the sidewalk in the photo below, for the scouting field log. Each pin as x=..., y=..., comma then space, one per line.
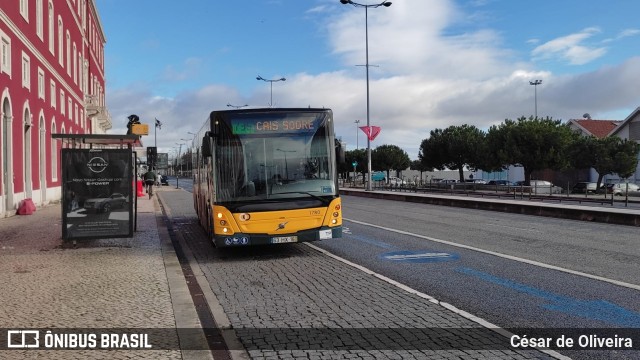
x=99, y=284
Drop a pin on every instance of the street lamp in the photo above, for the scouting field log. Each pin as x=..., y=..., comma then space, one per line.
x=237, y=106
x=270, y=81
x=535, y=84
x=188, y=150
x=180, y=160
x=357, y=131
x=366, y=30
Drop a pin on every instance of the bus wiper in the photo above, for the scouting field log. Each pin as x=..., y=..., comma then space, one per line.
x=324, y=201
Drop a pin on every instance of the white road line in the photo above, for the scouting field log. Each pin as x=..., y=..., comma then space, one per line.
x=510, y=257
x=466, y=315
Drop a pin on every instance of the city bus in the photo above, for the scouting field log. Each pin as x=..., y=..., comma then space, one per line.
x=267, y=176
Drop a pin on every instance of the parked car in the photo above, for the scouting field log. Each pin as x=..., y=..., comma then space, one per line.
x=544, y=187
x=396, y=181
x=164, y=180
x=476, y=181
x=584, y=187
x=540, y=187
x=104, y=203
x=621, y=188
x=499, y=182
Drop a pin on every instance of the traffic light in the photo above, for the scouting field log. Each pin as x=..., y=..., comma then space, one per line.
x=152, y=155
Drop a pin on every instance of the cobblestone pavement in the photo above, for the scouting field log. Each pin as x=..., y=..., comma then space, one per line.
x=110, y=283
x=293, y=302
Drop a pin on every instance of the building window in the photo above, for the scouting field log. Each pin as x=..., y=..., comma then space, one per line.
x=51, y=28
x=5, y=54
x=70, y=112
x=75, y=113
x=24, y=9
x=53, y=94
x=40, y=83
x=26, y=71
x=74, y=65
x=60, y=42
x=62, y=102
x=39, y=19
x=68, y=54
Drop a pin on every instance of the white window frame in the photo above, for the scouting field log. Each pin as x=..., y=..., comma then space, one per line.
x=26, y=71
x=62, y=102
x=69, y=108
x=24, y=9
x=5, y=54
x=60, y=41
x=53, y=92
x=52, y=26
x=75, y=113
x=39, y=19
x=68, y=54
x=41, y=91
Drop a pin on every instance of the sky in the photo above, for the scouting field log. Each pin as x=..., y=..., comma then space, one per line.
x=432, y=63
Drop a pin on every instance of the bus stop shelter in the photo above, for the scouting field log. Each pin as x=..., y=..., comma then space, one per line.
x=99, y=178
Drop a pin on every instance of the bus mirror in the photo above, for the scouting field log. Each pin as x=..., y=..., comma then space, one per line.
x=340, y=152
x=206, y=145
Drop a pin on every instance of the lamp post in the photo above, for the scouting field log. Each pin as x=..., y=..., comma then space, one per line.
x=357, y=131
x=271, y=82
x=188, y=150
x=236, y=106
x=180, y=160
x=366, y=29
x=535, y=84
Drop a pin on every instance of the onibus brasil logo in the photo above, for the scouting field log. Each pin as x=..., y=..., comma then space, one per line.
x=97, y=164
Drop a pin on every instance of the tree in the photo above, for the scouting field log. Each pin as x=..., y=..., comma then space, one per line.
x=389, y=157
x=626, y=159
x=359, y=156
x=533, y=143
x=608, y=155
x=419, y=166
x=454, y=148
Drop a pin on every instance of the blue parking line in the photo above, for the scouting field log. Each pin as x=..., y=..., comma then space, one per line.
x=591, y=309
x=370, y=241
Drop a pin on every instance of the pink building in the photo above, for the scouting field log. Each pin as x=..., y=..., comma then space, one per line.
x=51, y=81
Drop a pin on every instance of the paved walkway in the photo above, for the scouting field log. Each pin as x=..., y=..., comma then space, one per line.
x=138, y=283
x=97, y=284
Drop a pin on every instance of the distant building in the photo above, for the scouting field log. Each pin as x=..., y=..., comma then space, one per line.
x=52, y=80
x=628, y=128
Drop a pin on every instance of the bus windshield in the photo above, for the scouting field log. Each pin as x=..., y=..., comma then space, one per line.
x=271, y=156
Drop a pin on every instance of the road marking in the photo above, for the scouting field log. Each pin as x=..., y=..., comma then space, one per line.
x=464, y=314
x=510, y=257
x=591, y=309
x=418, y=256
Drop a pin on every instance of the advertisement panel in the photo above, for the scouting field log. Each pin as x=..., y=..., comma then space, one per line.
x=97, y=193
x=162, y=161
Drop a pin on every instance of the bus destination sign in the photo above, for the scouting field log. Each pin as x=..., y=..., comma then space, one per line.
x=272, y=126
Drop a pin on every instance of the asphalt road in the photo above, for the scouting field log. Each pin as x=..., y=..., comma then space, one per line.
x=500, y=266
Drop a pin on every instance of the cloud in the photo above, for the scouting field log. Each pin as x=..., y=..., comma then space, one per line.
x=570, y=48
x=624, y=34
x=428, y=76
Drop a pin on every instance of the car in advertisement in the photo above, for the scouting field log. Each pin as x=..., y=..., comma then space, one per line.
x=105, y=203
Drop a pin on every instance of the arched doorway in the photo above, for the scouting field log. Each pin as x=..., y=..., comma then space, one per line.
x=43, y=160
x=7, y=172
x=26, y=160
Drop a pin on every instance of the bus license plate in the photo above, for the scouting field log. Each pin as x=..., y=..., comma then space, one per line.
x=284, y=239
